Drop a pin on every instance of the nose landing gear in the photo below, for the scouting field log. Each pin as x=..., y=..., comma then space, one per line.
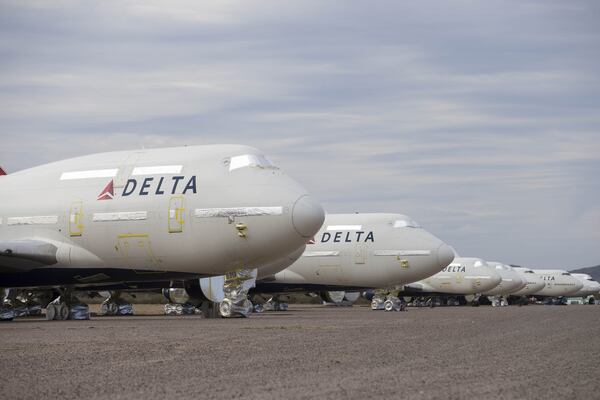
x=236, y=287
x=387, y=302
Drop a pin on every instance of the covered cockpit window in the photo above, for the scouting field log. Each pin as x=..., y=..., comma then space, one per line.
x=478, y=264
x=249, y=160
x=406, y=222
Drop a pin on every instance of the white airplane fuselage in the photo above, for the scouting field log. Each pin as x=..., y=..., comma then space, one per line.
x=533, y=282
x=361, y=251
x=464, y=276
x=558, y=283
x=511, y=281
x=201, y=210
x=590, y=286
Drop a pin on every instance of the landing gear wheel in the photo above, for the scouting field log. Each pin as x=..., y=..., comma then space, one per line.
x=259, y=308
x=388, y=305
x=63, y=312
x=225, y=308
x=246, y=308
x=229, y=309
x=7, y=314
x=393, y=303
x=377, y=303
x=51, y=312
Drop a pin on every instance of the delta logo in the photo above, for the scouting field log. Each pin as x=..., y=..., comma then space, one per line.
x=151, y=186
x=108, y=193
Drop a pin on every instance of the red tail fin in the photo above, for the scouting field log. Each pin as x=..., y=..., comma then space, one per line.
x=2, y=172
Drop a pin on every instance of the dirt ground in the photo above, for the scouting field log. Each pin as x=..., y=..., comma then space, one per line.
x=549, y=352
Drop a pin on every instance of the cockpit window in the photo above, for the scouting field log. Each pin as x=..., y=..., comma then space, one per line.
x=406, y=222
x=250, y=160
x=566, y=273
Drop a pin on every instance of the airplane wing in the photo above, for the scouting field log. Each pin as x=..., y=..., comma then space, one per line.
x=25, y=254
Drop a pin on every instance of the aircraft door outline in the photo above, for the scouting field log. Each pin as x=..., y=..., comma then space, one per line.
x=176, y=214
x=76, y=219
x=136, y=251
x=360, y=254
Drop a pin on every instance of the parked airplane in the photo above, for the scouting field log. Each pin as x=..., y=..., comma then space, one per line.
x=352, y=252
x=116, y=220
x=590, y=286
x=511, y=282
x=533, y=282
x=558, y=283
x=465, y=276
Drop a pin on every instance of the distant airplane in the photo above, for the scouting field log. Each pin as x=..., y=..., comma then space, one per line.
x=511, y=282
x=129, y=218
x=558, y=283
x=533, y=282
x=590, y=286
x=466, y=277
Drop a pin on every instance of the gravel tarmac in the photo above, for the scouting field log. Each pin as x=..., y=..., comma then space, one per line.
x=544, y=352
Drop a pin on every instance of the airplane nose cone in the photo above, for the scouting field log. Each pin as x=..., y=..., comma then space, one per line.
x=307, y=216
x=445, y=255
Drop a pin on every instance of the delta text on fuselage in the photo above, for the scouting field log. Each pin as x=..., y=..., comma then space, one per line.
x=348, y=237
x=170, y=185
x=454, y=268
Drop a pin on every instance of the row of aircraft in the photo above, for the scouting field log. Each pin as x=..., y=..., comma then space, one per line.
x=221, y=226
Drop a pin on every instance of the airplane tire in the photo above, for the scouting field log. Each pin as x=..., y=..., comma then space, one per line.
x=225, y=308
x=388, y=305
x=7, y=315
x=247, y=308
x=50, y=312
x=259, y=308
x=63, y=312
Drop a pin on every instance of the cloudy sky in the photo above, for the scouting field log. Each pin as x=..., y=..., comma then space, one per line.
x=481, y=120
